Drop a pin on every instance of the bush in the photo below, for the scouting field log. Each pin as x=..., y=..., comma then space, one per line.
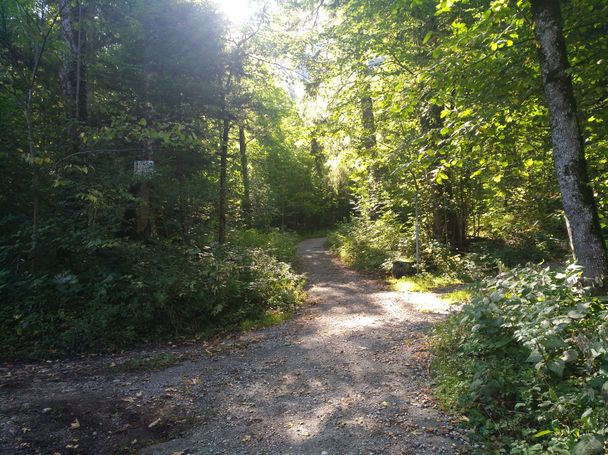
x=280, y=244
x=527, y=362
x=110, y=294
x=366, y=245
x=373, y=245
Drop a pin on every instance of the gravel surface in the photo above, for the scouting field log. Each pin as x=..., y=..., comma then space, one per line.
x=347, y=375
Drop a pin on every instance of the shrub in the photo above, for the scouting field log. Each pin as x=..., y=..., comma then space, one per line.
x=367, y=244
x=112, y=294
x=373, y=245
x=280, y=244
x=527, y=362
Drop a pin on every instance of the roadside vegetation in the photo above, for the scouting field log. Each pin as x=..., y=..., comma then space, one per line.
x=156, y=161
x=124, y=294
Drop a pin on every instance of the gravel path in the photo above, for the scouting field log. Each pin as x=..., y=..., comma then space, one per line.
x=347, y=375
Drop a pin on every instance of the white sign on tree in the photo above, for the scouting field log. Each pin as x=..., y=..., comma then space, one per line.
x=143, y=168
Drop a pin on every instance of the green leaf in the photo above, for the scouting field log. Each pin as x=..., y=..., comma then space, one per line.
x=577, y=314
x=427, y=37
x=605, y=391
x=557, y=367
x=589, y=444
x=535, y=356
x=445, y=6
x=542, y=433
x=143, y=122
x=441, y=176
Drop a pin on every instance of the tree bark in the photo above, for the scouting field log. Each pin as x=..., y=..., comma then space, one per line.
x=317, y=152
x=72, y=71
x=223, y=179
x=568, y=146
x=370, y=143
x=246, y=207
x=369, y=123
x=446, y=219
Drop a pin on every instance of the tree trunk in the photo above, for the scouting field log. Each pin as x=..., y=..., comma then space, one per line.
x=370, y=145
x=246, y=207
x=317, y=152
x=568, y=146
x=183, y=206
x=72, y=69
x=369, y=124
x=223, y=179
x=446, y=219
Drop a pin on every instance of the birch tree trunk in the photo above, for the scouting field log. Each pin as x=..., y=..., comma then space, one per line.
x=568, y=146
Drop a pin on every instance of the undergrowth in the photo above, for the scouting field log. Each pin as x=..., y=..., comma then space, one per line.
x=424, y=282
x=527, y=363
x=102, y=295
x=372, y=246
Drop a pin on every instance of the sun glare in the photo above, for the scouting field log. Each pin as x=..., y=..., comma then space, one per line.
x=237, y=11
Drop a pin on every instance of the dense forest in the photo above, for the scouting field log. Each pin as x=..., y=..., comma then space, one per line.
x=160, y=161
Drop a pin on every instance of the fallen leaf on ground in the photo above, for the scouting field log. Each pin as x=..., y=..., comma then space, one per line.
x=75, y=425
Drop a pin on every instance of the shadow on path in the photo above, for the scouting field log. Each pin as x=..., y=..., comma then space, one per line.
x=346, y=375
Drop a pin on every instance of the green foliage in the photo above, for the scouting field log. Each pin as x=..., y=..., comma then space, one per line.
x=457, y=296
x=280, y=244
x=95, y=257
x=364, y=244
x=116, y=293
x=527, y=362
x=373, y=245
x=424, y=282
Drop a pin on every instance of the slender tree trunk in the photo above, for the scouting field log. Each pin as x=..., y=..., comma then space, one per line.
x=72, y=69
x=317, y=152
x=446, y=219
x=246, y=207
x=568, y=146
x=183, y=206
x=223, y=179
x=27, y=112
x=144, y=207
x=370, y=143
x=369, y=123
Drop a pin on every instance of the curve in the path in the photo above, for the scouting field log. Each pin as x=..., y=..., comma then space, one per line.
x=346, y=376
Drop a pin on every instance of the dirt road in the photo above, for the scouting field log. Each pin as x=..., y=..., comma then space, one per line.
x=347, y=375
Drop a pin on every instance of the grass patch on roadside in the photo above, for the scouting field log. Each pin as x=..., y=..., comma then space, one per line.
x=269, y=318
x=457, y=296
x=425, y=282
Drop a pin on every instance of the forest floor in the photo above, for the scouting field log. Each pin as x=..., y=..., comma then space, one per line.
x=348, y=374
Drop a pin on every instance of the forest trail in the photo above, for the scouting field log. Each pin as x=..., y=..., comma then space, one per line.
x=347, y=375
